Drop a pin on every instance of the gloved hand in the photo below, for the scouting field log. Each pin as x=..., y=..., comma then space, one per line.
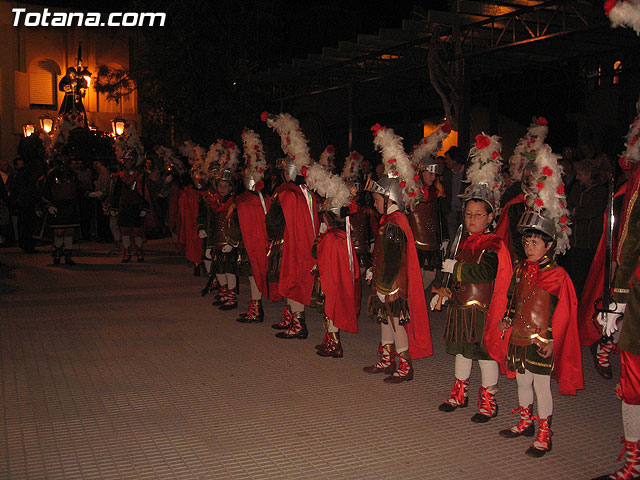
x=444, y=246
x=96, y=194
x=207, y=252
x=381, y=296
x=434, y=302
x=113, y=213
x=52, y=210
x=610, y=324
x=368, y=275
x=143, y=213
x=202, y=234
x=227, y=248
x=323, y=228
x=448, y=265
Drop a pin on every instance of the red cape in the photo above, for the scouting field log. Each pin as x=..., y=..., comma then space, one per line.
x=567, y=356
x=502, y=227
x=296, y=279
x=496, y=347
x=174, y=206
x=419, y=328
x=251, y=217
x=341, y=290
x=593, y=285
x=188, y=237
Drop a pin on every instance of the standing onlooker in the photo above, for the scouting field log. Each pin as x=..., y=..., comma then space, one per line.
x=5, y=215
x=586, y=202
x=99, y=194
x=24, y=198
x=454, y=185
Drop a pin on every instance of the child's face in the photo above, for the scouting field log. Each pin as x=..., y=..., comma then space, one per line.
x=224, y=188
x=428, y=178
x=378, y=203
x=535, y=248
x=476, y=218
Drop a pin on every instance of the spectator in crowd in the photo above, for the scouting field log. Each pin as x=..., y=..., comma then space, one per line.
x=100, y=189
x=454, y=185
x=24, y=198
x=586, y=202
x=5, y=214
x=568, y=171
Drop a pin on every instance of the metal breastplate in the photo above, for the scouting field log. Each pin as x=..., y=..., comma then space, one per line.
x=220, y=228
x=467, y=294
x=399, y=286
x=359, y=231
x=63, y=191
x=532, y=312
x=424, y=225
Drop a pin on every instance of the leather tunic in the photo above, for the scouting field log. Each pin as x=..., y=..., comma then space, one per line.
x=471, y=294
x=532, y=312
x=395, y=287
x=424, y=225
x=359, y=232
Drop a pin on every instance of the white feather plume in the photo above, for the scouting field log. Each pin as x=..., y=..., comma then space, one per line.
x=631, y=155
x=626, y=14
x=327, y=158
x=254, y=154
x=212, y=158
x=169, y=158
x=396, y=162
x=545, y=195
x=352, y=166
x=527, y=147
x=327, y=185
x=486, y=164
x=293, y=141
x=430, y=145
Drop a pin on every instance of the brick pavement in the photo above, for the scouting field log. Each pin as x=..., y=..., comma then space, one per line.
x=112, y=371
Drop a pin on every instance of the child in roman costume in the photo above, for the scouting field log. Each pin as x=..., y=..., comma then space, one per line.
x=520, y=165
x=541, y=322
x=480, y=272
x=251, y=210
x=427, y=219
x=397, y=298
x=292, y=226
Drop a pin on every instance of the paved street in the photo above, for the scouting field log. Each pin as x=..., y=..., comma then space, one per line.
x=123, y=371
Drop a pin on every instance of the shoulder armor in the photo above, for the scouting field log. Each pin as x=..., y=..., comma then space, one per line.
x=394, y=233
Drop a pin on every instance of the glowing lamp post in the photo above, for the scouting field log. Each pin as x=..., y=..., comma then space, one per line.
x=28, y=129
x=46, y=124
x=117, y=124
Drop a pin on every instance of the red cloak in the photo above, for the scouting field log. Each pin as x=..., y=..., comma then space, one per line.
x=567, y=356
x=253, y=229
x=296, y=279
x=418, y=329
x=174, y=206
x=341, y=290
x=188, y=238
x=593, y=285
x=502, y=227
x=496, y=346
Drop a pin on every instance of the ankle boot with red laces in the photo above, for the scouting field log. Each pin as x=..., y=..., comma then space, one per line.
x=333, y=347
x=126, y=254
x=631, y=469
x=458, y=398
x=326, y=339
x=254, y=315
x=387, y=363
x=297, y=328
x=285, y=320
x=221, y=297
x=487, y=405
x=525, y=425
x=601, y=351
x=542, y=443
x=404, y=373
x=231, y=301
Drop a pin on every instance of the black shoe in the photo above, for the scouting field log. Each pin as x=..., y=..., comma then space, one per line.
x=605, y=372
x=447, y=407
x=527, y=432
x=229, y=306
x=537, y=453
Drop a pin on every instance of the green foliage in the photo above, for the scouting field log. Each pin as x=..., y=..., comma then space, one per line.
x=114, y=82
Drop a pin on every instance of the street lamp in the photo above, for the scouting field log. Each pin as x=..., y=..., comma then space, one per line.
x=28, y=129
x=46, y=123
x=117, y=125
x=93, y=127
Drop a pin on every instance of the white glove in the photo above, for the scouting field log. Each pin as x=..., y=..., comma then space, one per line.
x=96, y=194
x=368, y=275
x=434, y=301
x=380, y=296
x=52, y=210
x=143, y=213
x=113, y=213
x=207, y=252
x=610, y=324
x=444, y=245
x=168, y=178
x=202, y=234
x=323, y=228
x=448, y=265
x=227, y=248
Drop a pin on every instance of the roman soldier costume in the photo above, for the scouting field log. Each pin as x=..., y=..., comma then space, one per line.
x=397, y=298
x=61, y=193
x=513, y=198
x=541, y=319
x=292, y=226
x=480, y=273
x=127, y=197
